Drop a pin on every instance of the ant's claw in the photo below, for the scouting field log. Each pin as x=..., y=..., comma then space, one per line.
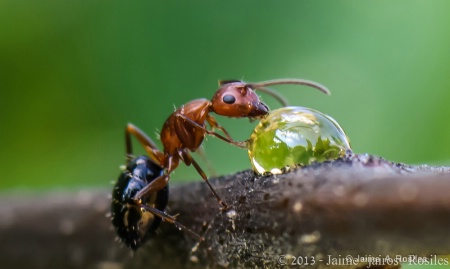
x=224, y=207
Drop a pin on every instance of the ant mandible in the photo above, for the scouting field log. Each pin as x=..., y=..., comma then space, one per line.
x=184, y=130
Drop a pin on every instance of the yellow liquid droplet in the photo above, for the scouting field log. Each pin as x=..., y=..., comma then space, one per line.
x=295, y=136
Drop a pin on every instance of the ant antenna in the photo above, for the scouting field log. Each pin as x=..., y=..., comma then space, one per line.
x=280, y=98
x=262, y=87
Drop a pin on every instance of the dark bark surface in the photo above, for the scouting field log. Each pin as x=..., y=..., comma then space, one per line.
x=357, y=205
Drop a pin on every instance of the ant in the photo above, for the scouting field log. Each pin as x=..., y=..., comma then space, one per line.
x=184, y=130
x=136, y=222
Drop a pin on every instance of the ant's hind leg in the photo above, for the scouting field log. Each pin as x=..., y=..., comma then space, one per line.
x=159, y=183
x=171, y=219
x=148, y=144
x=154, y=186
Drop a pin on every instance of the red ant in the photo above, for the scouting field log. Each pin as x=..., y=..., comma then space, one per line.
x=184, y=130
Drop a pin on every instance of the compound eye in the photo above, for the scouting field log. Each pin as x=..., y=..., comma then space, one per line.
x=229, y=99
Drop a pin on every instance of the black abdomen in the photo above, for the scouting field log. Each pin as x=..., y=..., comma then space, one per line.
x=133, y=225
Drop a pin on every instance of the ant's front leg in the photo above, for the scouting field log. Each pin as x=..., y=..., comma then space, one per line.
x=214, y=124
x=241, y=144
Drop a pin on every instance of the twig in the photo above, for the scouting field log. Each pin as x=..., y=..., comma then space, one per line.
x=358, y=205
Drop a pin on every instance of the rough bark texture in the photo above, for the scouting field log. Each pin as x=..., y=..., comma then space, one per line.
x=357, y=205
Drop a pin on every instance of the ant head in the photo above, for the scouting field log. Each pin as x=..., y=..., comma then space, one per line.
x=236, y=99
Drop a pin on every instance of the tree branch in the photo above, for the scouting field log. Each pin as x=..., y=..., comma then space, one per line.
x=358, y=205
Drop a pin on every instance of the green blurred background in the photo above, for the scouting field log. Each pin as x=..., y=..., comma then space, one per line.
x=73, y=73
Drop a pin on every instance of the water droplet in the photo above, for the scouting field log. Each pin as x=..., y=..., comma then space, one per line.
x=293, y=136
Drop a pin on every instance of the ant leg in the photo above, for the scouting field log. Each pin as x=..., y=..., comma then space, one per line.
x=214, y=124
x=156, y=185
x=150, y=146
x=189, y=160
x=240, y=144
x=159, y=183
x=202, y=154
x=171, y=219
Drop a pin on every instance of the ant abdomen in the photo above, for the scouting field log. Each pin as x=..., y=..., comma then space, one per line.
x=132, y=222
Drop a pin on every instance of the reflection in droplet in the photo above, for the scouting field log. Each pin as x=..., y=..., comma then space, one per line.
x=295, y=136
